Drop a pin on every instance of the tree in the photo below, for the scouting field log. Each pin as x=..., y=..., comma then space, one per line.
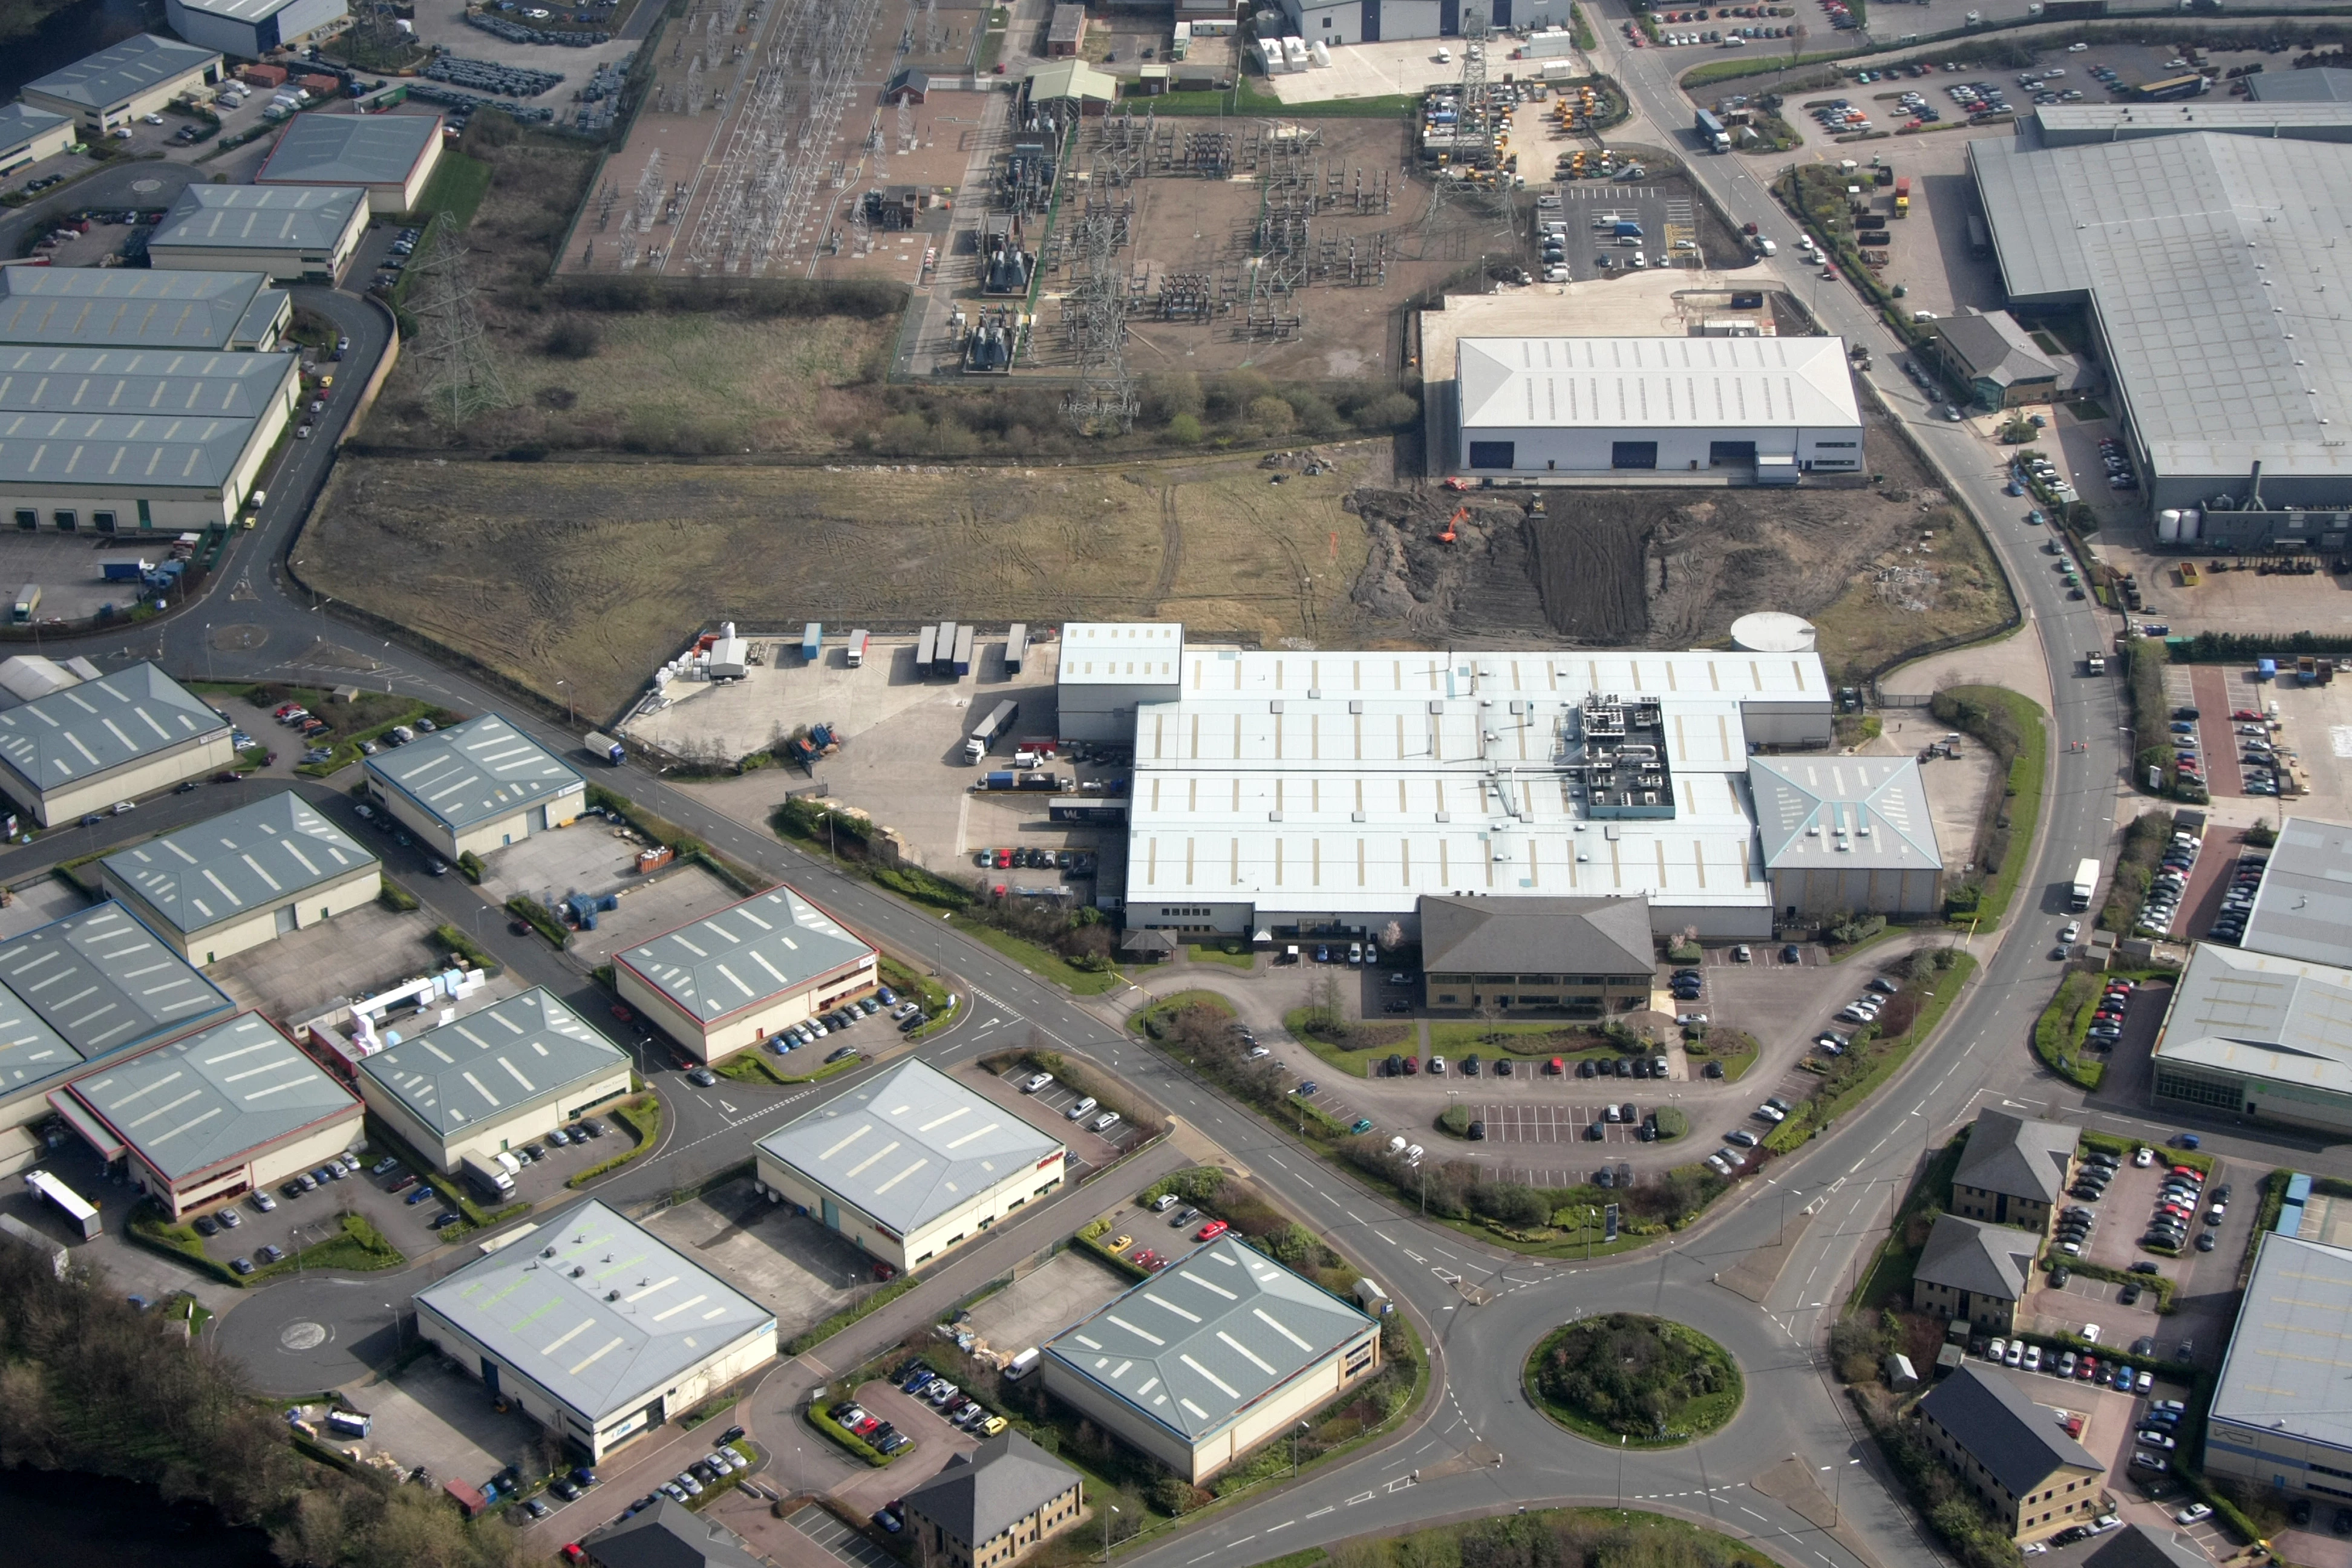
x=1392, y=937
x=1490, y=1019
x=1796, y=36
x=1272, y=416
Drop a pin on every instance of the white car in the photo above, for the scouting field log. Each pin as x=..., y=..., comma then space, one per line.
x=2033, y=1358
x=1037, y=1083
x=2091, y=1332
x=2192, y=1514
x=2143, y=1158
x=1997, y=1350
x=2071, y=931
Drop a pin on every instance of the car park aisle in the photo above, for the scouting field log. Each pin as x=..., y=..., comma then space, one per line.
x=2217, y=733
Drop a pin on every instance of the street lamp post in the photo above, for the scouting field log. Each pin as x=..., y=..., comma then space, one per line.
x=1591, y=1218
x=571, y=711
x=399, y=1329
x=1113, y=1508
x=1621, y=1473
x=1837, y=1492
x=208, y=651
x=1294, y=1445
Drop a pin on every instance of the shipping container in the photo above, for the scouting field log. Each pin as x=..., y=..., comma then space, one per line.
x=349, y=1423
x=964, y=643
x=1007, y=779
x=812, y=642
x=1038, y=780
x=857, y=648
x=125, y=571
x=923, y=646
x=1016, y=641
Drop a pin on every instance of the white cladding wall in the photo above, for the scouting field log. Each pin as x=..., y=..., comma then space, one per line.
x=1680, y=449
x=250, y=929
x=738, y=1031
x=1410, y=19
x=1334, y=22
x=193, y=760
x=520, y=1124
x=264, y=1167
x=39, y=145
x=931, y=1241
x=555, y=811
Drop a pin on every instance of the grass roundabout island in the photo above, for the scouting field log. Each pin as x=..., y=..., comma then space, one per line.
x=1625, y=1378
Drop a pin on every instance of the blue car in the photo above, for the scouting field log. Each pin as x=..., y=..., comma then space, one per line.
x=419, y=1195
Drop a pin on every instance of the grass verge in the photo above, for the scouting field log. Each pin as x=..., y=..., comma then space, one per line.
x=1039, y=960
x=1229, y=953
x=1876, y=1060
x=1963, y=705
x=809, y=1338
x=1708, y=1381
x=642, y=1117
x=851, y=1441
x=2060, y=1033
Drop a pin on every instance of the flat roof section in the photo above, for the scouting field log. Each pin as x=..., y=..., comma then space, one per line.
x=745, y=954
x=248, y=217
x=101, y=80
x=2303, y=908
x=1120, y=653
x=322, y=149
x=2214, y=266
x=2290, y=1355
x=1563, y=675
x=2251, y=1014
x=212, y=1098
x=102, y=981
x=473, y=773
x=1568, y=384
x=99, y=725
x=192, y=384
x=1199, y=1343
x=480, y=1067
x=121, y=307
x=595, y=1310
x=1835, y=814
x=256, y=856
x=910, y=1146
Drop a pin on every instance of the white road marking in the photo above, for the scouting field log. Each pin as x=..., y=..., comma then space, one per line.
x=1361, y=1497
x=1319, y=1513
x=1285, y=1524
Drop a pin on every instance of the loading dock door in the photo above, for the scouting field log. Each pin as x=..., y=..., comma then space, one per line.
x=1731, y=454
x=286, y=920
x=1633, y=454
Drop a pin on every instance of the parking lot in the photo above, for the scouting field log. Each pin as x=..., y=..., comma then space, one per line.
x=790, y=1264
x=834, y=1537
x=1593, y=209
x=1048, y=1110
x=1509, y=1123
x=2104, y=1421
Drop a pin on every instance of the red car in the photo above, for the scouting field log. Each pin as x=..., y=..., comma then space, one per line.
x=572, y=1552
x=1210, y=1231
x=871, y=1423
x=621, y=1011
x=1004, y=859
x=1145, y=1258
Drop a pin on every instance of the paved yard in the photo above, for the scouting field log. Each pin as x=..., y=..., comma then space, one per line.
x=789, y=1262
x=302, y=973
x=1051, y=1298
x=36, y=903
x=432, y=1416
x=591, y=856
x=649, y=906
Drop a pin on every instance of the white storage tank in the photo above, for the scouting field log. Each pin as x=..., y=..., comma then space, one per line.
x=1322, y=53
x=1773, y=631
x=2191, y=520
x=2168, y=526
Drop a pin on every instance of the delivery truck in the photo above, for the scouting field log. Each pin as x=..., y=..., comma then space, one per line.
x=985, y=733
x=490, y=1183
x=1711, y=134
x=605, y=749
x=2086, y=882
x=856, y=649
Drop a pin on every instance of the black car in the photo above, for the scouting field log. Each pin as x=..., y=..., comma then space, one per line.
x=1713, y=1070
x=445, y=1218
x=1789, y=954
x=207, y=1225
x=1585, y=1070
x=842, y=1055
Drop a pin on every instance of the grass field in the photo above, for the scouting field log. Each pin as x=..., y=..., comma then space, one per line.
x=1906, y=598
x=591, y=573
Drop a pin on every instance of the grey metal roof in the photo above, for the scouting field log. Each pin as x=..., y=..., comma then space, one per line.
x=348, y=149
x=93, y=306
x=2136, y=1545
x=237, y=10
x=669, y=1535
x=2213, y=266
x=1198, y=1344
x=253, y=858
x=1992, y=345
x=490, y=1063
x=981, y=1495
x=134, y=66
x=2303, y=907
x=20, y=122
x=88, y=730
x=247, y=217
x=213, y=1097
x=102, y=983
x=1982, y=1259
x=2073, y=125
x=2320, y=85
x=2017, y=1156
x=910, y=1146
x=598, y=1312
x=2018, y=1441
x=474, y=771
x=1495, y=936
x=114, y=450
x=2255, y=1016
x=1837, y=814
x=2290, y=1356
x=191, y=384
x=745, y=954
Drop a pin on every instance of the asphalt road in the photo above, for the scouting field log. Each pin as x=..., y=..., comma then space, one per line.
x=1475, y=1448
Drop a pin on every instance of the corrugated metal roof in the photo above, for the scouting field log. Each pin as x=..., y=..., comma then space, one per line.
x=126, y=450
x=1561, y=384
x=1205, y=1340
x=214, y=1096
x=349, y=149
x=2290, y=1356
x=101, y=983
x=237, y=10
x=123, y=70
x=745, y=954
x=2303, y=907
x=2209, y=260
x=2279, y=1019
x=255, y=858
x=93, y=306
x=158, y=382
x=597, y=1311
x=474, y=771
x=20, y=122
x=1120, y=653
x=910, y=1146
x=1836, y=813
x=247, y=217
x=86, y=730
x=493, y=1061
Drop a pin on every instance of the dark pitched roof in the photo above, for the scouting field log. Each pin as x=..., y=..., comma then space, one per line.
x=1500, y=936
x=2013, y=1155
x=2138, y=1546
x=980, y=1496
x=2018, y=1441
x=1995, y=346
x=669, y=1535
x=1985, y=1260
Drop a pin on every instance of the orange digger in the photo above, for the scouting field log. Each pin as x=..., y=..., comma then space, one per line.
x=1461, y=515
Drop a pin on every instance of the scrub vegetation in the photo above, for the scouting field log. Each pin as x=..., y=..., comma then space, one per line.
x=1652, y=1382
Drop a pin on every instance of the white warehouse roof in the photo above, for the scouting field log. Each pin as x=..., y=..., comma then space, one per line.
x=745, y=954
x=1619, y=383
x=2274, y=1018
x=1120, y=653
x=1836, y=813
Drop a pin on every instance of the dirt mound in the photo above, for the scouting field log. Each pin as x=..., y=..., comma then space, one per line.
x=1477, y=585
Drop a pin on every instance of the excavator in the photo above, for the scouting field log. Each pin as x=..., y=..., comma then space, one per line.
x=1461, y=515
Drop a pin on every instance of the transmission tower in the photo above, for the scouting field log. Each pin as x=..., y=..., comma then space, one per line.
x=462, y=380
x=1104, y=399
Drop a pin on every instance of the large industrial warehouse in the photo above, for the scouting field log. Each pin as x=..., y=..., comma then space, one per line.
x=250, y=29
x=2211, y=275
x=1291, y=794
x=2303, y=908
x=230, y=1111
x=598, y=1329
x=120, y=83
x=296, y=234
x=2265, y=1037
x=108, y=740
x=389, y=157
x=79, y=990
x=2278, y=1423
x=128, y=308
x=244, y=879
x=499, y=1077
x=1209, y=1358
x=735, y=978
x=475, y=787
x=1769, y=408
x=107, y=439
x=1108, y=669
x=909, y=1166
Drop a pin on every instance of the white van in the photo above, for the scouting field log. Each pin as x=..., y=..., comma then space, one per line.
x=1444, y=56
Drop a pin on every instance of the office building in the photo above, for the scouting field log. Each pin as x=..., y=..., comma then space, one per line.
x=1974, y=1271
x=2012, y=1170
x=991, y=1508
x=2012, y=1453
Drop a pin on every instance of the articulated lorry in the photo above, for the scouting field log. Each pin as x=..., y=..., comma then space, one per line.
x=2086, y=882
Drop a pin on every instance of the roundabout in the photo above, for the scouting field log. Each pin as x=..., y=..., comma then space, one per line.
x=1629, y=1380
